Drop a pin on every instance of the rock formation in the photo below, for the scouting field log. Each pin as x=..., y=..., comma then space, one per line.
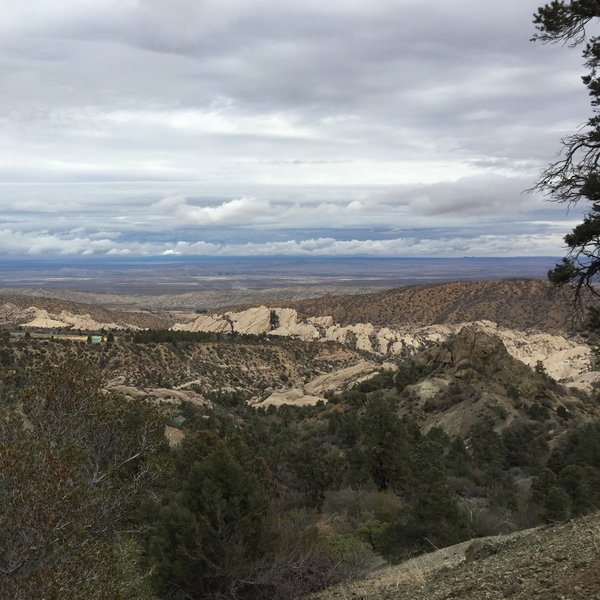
x=564, y=359
x=471, y=377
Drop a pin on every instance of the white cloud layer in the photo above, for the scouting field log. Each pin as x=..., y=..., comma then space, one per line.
x=258, y=127
x=37, y=243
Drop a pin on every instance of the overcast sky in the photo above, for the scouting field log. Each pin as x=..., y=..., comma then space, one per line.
x=237, y=127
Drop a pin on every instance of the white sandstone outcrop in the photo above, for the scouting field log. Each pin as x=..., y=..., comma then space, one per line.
x=288, y=325
x=85, y=322
x=40, y=318
x=252, y=321
x=321, y=322
x=341, y=378
x=163, y=395
x=295, y=397
x=315, y=390
x=43, y=320
x=207, y=323
x=564, y=359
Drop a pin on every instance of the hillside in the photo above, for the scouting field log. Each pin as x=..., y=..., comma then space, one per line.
x=546, y=563
x=514, y=303
x=464, y=377
x=338, y=452
x=471, y=378
x=215, y=368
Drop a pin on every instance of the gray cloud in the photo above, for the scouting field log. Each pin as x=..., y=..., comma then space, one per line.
x=259, y=126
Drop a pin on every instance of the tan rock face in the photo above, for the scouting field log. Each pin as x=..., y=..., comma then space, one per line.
x=322, y=322
x=295, y=397
x=252, y=321
x=43, y=320
x=174, y=435
x=208, y=323
x=257, y=321
x=303, y=331
x=85, y=322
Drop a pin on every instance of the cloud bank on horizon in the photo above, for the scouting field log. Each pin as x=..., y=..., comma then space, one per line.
x=256, y=127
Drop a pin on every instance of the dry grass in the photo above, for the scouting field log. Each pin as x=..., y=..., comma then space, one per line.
x=414, y=572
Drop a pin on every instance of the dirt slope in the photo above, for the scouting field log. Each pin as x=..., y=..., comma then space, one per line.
x=560, y=562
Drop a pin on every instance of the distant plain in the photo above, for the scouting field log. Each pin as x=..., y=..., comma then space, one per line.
x=168, y=275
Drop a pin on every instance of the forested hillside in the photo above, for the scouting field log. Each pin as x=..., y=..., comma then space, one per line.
x=282, y=501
